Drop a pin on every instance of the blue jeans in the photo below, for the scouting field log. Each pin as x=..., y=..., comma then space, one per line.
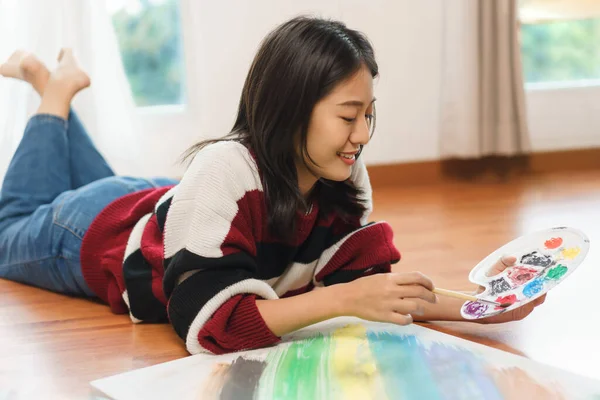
x=55, y=185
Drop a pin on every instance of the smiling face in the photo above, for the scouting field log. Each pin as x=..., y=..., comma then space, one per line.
x=340, y=124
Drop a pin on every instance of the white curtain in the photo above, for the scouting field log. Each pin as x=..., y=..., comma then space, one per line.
x=483, y=97
x=106, y=108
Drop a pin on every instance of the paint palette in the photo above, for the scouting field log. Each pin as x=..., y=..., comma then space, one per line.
x=544, y=259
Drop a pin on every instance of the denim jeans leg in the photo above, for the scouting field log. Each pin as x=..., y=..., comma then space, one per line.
x=39, y=170
x=87, y=164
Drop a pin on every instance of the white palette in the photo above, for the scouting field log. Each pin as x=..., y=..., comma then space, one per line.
x=544, y=260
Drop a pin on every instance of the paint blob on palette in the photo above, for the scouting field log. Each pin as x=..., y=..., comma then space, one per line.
x=544, y=259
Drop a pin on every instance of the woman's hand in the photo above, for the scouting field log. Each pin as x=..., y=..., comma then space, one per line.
x=390, y=297
x=518, y=313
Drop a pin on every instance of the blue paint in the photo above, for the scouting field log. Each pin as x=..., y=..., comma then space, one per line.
x=460, y=374
x=402, y=365
x=411, y=370
x=533, y=287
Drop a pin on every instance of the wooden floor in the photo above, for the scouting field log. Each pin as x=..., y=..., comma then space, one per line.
x=51, y=346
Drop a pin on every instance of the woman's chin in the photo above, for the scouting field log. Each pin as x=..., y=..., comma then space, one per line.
x=337, y=176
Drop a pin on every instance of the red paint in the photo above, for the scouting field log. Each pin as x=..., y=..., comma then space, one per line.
x=520, y=275
x=512, y=299
x=553, y=243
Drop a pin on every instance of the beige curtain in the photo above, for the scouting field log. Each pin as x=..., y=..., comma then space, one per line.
x=482, y=96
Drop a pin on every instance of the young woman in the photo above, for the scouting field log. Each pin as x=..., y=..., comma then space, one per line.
x=265, y=234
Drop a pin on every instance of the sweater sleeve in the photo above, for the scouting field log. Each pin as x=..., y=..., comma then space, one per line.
x=365, y=251
x=211, y=278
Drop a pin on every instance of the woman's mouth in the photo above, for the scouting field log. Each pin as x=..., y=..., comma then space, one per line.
x=348, y=158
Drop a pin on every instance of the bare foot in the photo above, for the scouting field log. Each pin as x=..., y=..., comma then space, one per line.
x=64, y=83
x=26, y=67
x=69, y=74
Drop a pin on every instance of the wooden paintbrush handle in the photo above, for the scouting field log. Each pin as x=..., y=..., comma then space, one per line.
x=464, y=296
x=457, y=295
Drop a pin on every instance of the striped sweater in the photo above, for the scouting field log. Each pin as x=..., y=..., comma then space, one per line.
x=199, y=254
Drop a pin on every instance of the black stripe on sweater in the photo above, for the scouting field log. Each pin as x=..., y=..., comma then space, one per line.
x=184, y=261
x=319, y=240
x=161, y=213
x=192, y=294
x=137, y=273
x=272, y=259
x=349, y=275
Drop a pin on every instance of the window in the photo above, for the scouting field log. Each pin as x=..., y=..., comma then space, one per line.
x=149, y=36
x=561, y=51
x=560, y=41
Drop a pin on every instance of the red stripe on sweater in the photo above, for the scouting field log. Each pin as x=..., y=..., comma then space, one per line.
x=295, y=292
x=249, y=226
x=357, y=252
x=236, y=325
x=337, y=225
x=105, y=241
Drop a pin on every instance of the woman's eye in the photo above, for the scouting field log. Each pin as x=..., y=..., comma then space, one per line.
x=348, y=119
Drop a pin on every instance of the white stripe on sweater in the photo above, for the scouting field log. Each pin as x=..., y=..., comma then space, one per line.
x=133, y=243
x=205, y=203
x=135, y=237
x=253, y=286
x=126, y=300
x=296, y=276
x=360, y=179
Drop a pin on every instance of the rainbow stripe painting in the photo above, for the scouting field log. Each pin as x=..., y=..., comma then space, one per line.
x=355, y=362
x=349, y=358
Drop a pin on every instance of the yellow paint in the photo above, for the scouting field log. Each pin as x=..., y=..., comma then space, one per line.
x=354, y=366
x=571, y=253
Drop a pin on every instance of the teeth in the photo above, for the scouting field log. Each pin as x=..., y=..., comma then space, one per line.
x=348, y=156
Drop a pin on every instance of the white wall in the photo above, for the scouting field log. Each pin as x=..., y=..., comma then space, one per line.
x=222, y=37
x=407, y=39
x=564, y=118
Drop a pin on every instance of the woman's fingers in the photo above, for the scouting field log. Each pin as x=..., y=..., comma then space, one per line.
x=415, y=292
x=500, y=265
x=399, y=319
x=412, y=278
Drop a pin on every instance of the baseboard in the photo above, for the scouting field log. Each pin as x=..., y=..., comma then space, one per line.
x=569, y=160
x=484, y=169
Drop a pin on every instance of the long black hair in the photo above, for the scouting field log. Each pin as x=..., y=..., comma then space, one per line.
x=297, y=64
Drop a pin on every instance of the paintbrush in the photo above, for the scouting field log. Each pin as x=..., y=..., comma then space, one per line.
x=464, y=296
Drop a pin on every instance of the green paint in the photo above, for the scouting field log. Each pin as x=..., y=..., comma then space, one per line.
x=557, y=272
x=298, y=371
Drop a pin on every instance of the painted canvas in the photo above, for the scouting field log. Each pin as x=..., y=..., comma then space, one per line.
x=348, y=358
